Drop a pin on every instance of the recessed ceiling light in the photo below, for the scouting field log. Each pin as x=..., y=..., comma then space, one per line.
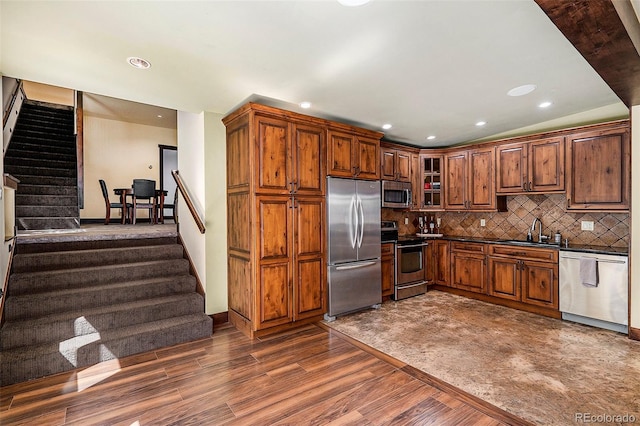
x=140, y=63
x=387, y=126
x=431, y=137
x=353, y=2
x=305, y=105
x=522, y=90
x=481, y=123
x=544, y=104
x=159, y=116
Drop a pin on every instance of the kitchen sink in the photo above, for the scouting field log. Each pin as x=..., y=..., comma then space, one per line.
x=527, y=243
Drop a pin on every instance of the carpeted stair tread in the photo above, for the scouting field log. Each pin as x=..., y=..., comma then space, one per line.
x=26, y=161
x=19, y=307
x=19, y=152
x=62, y=279
x=43, y=171
x=66, y=325
x=90, y=349
x=19, y=145
x=51, y=180
x=94, y=257
x=94, y=242
x=41, y=189
x=46, y=211
x=38, y=223
x=41, y=200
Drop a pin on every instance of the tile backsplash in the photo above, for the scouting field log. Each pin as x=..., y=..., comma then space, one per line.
x=610, y=229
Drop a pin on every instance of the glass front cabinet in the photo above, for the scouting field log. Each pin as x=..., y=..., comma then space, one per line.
x=431, y=182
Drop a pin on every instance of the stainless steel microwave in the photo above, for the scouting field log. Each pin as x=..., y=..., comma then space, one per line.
x=396, y=195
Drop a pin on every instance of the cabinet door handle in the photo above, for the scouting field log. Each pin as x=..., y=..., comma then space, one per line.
x=524, y=186
x=568, y=202
x=529, y=186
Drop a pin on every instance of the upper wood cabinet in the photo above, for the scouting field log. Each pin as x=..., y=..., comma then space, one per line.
x=535, y=166
x=395, y=164
x=598, y=169
x=429, y=182
x=353, y=156
x=469, y=180
x=290, y=157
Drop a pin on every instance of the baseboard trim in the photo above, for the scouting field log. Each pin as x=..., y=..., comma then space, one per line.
x=634, y=333
x=220, y=320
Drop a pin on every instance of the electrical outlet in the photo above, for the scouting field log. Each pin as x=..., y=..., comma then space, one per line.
x=587, y=225
x=483, y=222
x=406, y=220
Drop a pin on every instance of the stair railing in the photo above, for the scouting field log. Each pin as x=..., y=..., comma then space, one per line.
x=11, y=112
x=188, y=199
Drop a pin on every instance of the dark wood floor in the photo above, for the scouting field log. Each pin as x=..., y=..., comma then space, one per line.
x=310, y=375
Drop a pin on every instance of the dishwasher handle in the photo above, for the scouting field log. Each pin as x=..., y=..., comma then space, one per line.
x=620, y=262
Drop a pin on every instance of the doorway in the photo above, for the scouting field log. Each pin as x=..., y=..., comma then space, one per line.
x=168, y=162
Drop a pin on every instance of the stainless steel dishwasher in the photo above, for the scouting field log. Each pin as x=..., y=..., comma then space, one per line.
x=604, y=306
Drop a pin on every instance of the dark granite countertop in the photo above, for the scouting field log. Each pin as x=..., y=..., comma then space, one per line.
x=572, y=247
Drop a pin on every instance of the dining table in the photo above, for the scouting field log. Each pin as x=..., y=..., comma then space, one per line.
x=160, y=194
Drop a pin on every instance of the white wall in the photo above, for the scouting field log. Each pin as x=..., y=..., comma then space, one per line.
x=191, y=168
x=216, y=205
x=634, y=260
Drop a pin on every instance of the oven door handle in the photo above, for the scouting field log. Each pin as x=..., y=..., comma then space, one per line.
x=414, y=245
x=358, y=265
x=409, y=285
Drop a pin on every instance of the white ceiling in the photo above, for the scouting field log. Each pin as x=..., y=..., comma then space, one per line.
x=426, y=67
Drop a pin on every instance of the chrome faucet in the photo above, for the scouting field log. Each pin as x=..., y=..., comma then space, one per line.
x=541, y=238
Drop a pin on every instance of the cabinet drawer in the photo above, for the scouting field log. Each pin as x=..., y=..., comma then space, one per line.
x=467, y=247
x=387, y=249
x=524, y=252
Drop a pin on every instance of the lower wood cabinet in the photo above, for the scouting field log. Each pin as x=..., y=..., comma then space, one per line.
x=528, y=275
x=468, y=266
x=438, y=262
x=388, y=267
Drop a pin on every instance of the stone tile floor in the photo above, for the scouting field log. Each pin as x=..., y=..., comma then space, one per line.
x=544, y=370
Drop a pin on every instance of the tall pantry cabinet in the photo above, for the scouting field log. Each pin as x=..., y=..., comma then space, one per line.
x=276, y=177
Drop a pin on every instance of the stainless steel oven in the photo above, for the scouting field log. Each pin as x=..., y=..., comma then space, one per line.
x=411, y=267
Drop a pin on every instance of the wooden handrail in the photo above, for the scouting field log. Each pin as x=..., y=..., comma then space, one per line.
x=188, y=200
x=10, y=115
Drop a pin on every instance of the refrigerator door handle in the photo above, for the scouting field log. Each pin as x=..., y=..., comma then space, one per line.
x=361, y=221
x=356, y=266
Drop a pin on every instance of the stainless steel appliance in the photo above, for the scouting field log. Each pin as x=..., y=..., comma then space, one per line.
x=354, y=275
x=411, y=266
x=605, y=305
x=396, y=194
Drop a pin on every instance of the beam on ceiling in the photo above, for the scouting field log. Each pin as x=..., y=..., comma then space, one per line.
x=597, y=32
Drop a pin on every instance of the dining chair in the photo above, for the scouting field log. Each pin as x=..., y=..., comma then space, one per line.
x=124, y=209
x=144, y=197
x=173, y=206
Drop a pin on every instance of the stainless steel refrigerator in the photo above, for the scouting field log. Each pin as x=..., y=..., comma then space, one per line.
x=353, y=215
